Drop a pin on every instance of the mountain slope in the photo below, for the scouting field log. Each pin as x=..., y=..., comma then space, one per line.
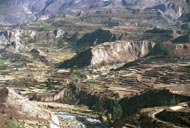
x=15, y=12
x=172, y=8
x=50, y=7
x=22, y=11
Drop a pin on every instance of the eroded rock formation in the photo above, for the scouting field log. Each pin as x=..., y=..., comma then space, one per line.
x=10, y=40
x=109, y=53
x=120, y=51
x=14, y=104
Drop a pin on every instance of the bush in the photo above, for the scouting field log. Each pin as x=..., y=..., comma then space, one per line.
x=188, y=103
x=77, y=76
x=50, y=83
x=117, y=111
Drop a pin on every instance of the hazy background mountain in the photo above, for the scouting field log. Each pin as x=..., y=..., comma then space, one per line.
x=15, y=12
x=21, y=11
x=173, y=8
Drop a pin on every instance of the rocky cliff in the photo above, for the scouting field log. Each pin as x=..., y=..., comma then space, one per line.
x=110, y=53
x=10, y=40
x=11, y=102
x=16, y=106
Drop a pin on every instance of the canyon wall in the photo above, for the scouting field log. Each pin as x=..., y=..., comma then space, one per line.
x=110, y=53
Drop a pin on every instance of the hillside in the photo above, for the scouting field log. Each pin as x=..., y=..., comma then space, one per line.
x=28, y=10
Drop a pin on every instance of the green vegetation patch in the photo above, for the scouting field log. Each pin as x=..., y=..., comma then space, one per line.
x=9, y=122
x=155, y=30
x=182, y=39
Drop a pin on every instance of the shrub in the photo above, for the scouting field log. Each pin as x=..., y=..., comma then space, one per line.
x=50, y=83
x=116, y=109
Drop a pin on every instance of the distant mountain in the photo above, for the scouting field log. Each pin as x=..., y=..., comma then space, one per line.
x=50, y=7
x=172, y=8
x=21, y=11
x=15, y=12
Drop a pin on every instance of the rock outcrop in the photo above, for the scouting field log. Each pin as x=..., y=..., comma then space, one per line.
x=14, y=104
x=178, y=50
x=59, y=33
x=110, y=53
x=120, y=52
x=10, y=40
x=179, y=47
x=39, y=55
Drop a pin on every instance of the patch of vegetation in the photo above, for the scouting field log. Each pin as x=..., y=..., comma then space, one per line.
x=18, y=54
x=184, y=62
x=116, y=109
x=60, y=23
x=2, y=60
x=156, y=30
x=175, y=117
x=188, y=103
x=161, y=37
x=93, y=82
x=81, y=60
x=145, y=121
x=14, y=123
x=27, y=39
x=185, y=26
x=50, y=83
x=182, y=39
x=77, y=75
x=147, y=99
x=42, y=86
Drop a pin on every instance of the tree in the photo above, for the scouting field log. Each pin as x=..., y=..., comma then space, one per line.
x=117, y=111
